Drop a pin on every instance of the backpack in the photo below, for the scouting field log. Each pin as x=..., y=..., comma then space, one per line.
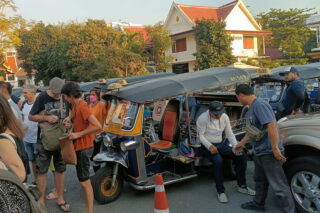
x=31, y=192
x=35, y=206
x=50, y=133
x=21, y=151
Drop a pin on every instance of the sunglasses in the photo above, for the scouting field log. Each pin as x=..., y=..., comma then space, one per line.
x=214, y=115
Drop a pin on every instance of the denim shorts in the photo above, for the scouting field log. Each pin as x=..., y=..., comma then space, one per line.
x=83, y=164
x=30, y=149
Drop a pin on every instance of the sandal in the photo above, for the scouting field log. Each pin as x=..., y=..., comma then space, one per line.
x=65, y=207
x=53, y=194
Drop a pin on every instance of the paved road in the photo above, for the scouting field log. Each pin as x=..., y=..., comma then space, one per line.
x=197, y=195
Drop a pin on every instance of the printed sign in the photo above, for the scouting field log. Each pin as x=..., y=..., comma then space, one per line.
x=158, y=110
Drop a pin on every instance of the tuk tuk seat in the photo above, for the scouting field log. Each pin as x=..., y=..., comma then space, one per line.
x=168, y=133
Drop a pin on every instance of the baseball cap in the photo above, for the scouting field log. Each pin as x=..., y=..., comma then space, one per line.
x=291, y=69
x=31, y=87
x=216, y=107
x=56, y=84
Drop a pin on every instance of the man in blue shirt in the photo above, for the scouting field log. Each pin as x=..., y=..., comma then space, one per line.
x=294, y=97
x=268, y=157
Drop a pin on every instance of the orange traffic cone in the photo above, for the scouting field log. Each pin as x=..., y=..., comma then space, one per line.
x=160, y=198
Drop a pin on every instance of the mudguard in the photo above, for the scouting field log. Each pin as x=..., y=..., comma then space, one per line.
x=111, y=157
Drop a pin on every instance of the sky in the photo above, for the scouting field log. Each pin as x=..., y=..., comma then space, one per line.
x=145, y=12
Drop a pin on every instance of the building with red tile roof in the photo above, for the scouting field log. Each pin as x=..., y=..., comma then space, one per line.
x=240, y=25
x=11, y=63
x=15, y=74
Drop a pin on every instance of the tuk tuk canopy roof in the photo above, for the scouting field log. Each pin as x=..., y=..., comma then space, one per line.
x=87, y=86
x=182, y=84
x=307, y=71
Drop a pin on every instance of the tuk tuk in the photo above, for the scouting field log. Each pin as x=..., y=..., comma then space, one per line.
x=149, y=130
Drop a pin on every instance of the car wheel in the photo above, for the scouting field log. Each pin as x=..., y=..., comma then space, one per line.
x=304, y=179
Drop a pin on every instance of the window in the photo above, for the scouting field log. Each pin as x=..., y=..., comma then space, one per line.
x=180, y=68
x=179, y=45
x=123, y=116
x=248, y=42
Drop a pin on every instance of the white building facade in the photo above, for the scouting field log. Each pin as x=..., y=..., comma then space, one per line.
x=240, y=25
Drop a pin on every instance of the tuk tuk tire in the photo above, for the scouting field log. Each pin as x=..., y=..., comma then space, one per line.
x=101, y=180
x=229, y=171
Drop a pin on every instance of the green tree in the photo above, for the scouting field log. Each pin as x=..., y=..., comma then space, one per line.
x=160, y=41
x=38, y=50
x=9, y=25
x=81, y=51
x=105, y=52
x=213, y=45
x=289, y=32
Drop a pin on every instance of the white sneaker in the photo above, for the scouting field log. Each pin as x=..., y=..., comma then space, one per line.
x=246, y=190
x=222, y=197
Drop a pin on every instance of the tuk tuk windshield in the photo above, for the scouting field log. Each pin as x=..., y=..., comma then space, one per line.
x=123, y=114
x=270, y=92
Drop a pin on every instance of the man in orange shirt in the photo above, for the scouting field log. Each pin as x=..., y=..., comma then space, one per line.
x=84, y=126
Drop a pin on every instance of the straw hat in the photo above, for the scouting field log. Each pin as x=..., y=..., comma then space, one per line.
x=114, y=86
x=102, y=81
x=123, y=82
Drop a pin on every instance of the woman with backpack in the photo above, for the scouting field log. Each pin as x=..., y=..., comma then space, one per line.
x=12, y=197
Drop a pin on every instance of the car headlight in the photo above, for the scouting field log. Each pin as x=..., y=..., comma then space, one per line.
x=128, y=145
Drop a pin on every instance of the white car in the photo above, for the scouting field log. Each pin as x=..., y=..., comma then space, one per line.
x=301, y=139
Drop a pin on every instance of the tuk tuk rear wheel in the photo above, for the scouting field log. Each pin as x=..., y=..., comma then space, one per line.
x=102, y=185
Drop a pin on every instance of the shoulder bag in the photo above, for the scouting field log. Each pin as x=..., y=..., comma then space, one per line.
x=50, y=133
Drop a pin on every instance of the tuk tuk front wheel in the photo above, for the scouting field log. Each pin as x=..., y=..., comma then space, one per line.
x=102, y=185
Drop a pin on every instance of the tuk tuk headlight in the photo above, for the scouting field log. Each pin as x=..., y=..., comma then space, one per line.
x=98, y=138
x=128, y=145
x=107, y=141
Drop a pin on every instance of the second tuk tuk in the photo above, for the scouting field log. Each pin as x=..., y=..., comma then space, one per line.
x=149, y=129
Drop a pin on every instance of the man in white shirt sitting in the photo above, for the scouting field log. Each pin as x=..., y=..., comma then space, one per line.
x=210, y=126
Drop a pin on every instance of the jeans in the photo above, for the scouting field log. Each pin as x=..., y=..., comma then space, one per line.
x=225, y=151
x=268, y=171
